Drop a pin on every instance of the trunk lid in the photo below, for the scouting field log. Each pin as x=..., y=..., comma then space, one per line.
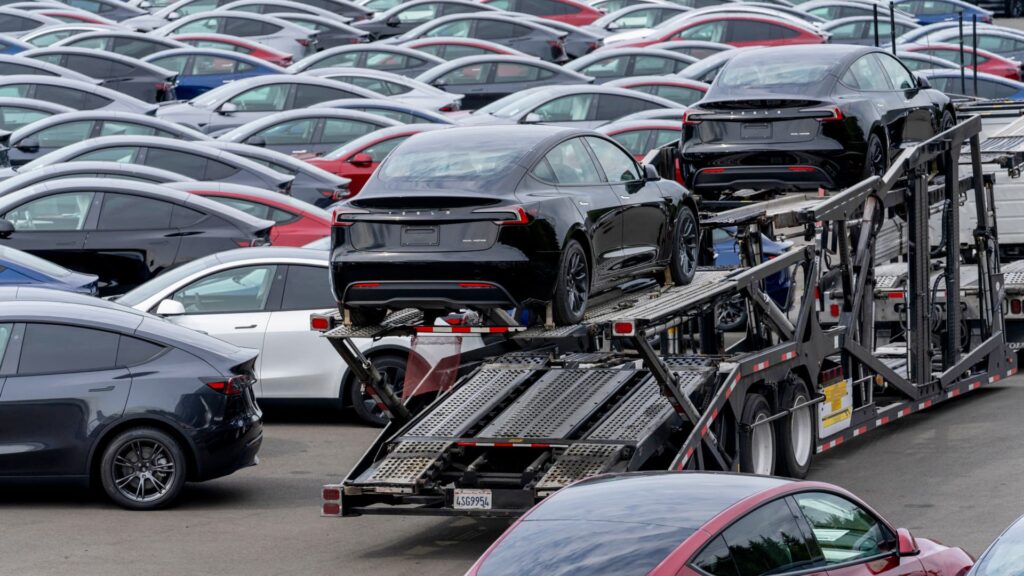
x=754, y=121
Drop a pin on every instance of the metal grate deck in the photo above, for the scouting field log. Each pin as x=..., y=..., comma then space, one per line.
x=636, y=417
x=461, y=410
x=580, y=461
x=404, y=317
x=407, y=462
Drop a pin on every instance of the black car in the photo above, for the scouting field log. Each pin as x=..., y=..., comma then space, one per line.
x=408, y=15
x=804, y=117
x=143, y=80
x=530, y=217
x=125, y=232
x=46, y=135
x=484, y=79
x=95, y=392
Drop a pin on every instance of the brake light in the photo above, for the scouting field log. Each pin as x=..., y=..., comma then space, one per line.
x=802, y=168
x=713, y=170
x=250, y=242
x=340, y=216
x=830, y=114
x=691, y=118
x=475, y=285
x=367, y=285
x=1015, y=306
x=624, y=328
x=303, y=41
x=453, y=107
x=834, y=310
x=319, y=323
x=518, y=214
x=232, y=386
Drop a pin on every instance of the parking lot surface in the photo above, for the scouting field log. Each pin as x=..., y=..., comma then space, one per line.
x=951, y=474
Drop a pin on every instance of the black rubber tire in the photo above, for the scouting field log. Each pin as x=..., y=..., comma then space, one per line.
x=876, y=157
x=788, y=462
x=367, y=316
x=573, y=284
x=109, y=466
x=685, y=246
x=392, y=368
x=755, y=408
x=735, y=321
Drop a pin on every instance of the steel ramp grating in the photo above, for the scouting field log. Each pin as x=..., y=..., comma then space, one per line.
x=580, y=461
x=556, y=404
x=467, y=403
x=703, y=288
x=404, y=317
x=407, y=462
x=637, y=417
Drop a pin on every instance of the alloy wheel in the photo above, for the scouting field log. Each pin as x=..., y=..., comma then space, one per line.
x=143, y=470
x=688, y=241
x=762, y=446
x=576, y=282
x=800, y=431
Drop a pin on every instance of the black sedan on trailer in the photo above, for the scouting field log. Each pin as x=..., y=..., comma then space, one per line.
x=122, y=231
x=803, y=117
x=95, y=392
x=531, y=217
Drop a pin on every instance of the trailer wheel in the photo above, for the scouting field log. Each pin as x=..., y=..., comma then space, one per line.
x=392, y=370
x=795, y=432
x=757, y=442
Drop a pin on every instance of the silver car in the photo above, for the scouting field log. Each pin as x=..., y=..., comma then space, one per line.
x=262, y=298
x=262, y=28
x=393, y=86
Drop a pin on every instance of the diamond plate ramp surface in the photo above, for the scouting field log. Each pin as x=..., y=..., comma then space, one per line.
x=463, y=407
x=635, y=418
x=407, y=462
x=580, y=461
x=556, y=404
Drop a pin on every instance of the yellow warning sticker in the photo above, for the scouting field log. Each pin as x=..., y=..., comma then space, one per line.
x=837, y=417
x=835, y=394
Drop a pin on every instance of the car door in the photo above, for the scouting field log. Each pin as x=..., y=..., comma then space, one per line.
x=868, y=80
x=51, y=404
x=291, y=137
x=233, y=304
x=770, y=539
x=473, y=82
x=919, y=110
x=298, y=363
x=852, y=541
x=645, y=211
x=572, y=110
x=570, y=167
x=132, y=241
x=54, y=227
x=47, y=140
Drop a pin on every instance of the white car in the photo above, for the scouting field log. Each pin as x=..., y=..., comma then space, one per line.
x=262, y=298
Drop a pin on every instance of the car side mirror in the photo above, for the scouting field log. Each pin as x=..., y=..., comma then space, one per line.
x=227, y=109
x=174, y=15
x=393, y=21
x=532, y=118
x=6, y=228
x=145, y=5
x=30, y=144
x=922, y=82
x=170, y=308
x=362, y=159
x=651, y=173
x=907, y=543
x=256, y=141
x=439, y=82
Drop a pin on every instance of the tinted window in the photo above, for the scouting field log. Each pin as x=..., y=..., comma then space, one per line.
x=5, y=336
x=135, y=47
x=307, y=288
x=571, y=164
x=11, y=23
x=608, y=68
x=338, y=131
x=217, y=170
x=269, y=98
x=57, y=212
x=866, y=74
x=380, y=150
x=715, y=559
x=175, y=161
x=91, y=66
x=81, y=349
x=244, y=27
x=418, y=14
x=132, y=351
x=7, y=68
x=127, y=212
x=344, y=59
x=112, y=128
x=566, y=109
x=63, y=134
x=307, y=96
x=294, y=132
x=844, y=531
x=453, y=51
x=767, y=541
x=545, y=7
x=679, y=94
x=69, y=97
x=617, y=165
x=255, y=209
x=495, y=30
x=173, y=63
x=610, y=107
x=634, y=140
x=511, y=72
x=662, y=137
x=243, y=289
x=203, y=25
x=899, y=76
x=212, y=65
x=389, y=61
x=710, y=31
x=457, y=29
x=989, y=89
x=655, y=65
x=115, y=154
x=12, y=118
x=473, y=74
x=182, y=217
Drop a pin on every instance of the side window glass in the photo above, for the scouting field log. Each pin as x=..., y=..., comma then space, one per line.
x=127, y=212
x=201, y=26
x=653, y=66
x=5, y=337
x=634, y=140
x=59, y=212
x=494, y=30
x=63, y=134
x=844, y=530
x=212, y=65
x=767, y=541
x=390, y=61
x=574, y=108
x=269, y=98
x=571, y=164
x=306, y=96
x=899, y=76
x=866, y=74
x=306, y=289
x=346, y=59
x=12, y=118
x=250, y=208
x=135, y=48
x=473, y=74
x=711, y=32
x=458, y=29
x=715, y=559
x=217, y=170
x=175, y=161
x=418, y=14
x=617, y=165
x=678, y=94
x=242, y=289
x=81, y=349
x=133, y=351
x=343, y=131
x=293, y=132
x=608, y=68
x=116, y=154
x=112, y=128
x=172, y=63
x=611, y=106
x=380, y=150
x=182, y=217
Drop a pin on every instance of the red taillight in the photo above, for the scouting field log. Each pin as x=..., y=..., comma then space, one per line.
x=367, y=285
x=475, y=285
x=691, y=118
x=1015, y=306
x=453, y=107
x=895, y=295
x=817, y=293
x=518, y=214
x=834, y=114
x=339, y=218
x=249, y=242
x=319, y=323
x=713, y=170
x=802, y=168
x=331, y=493
x=624, y=328
x=834, y=310
x=231, y=386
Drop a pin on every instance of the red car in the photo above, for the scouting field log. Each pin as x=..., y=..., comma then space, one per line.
x=359, y=158
x=988, y=62
x=568, y=11
x=235, y=44
x=735, y=30
x=74, y=16
x=701, y=524
x=450, y=47
x=296, y=223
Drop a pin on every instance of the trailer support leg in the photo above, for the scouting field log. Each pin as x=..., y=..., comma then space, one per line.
x=367, y=373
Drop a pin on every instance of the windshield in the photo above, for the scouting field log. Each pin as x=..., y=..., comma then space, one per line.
x=1006, y=557
x=571, y=547
x=515, y=104
x=165, y=281
x=32, y=262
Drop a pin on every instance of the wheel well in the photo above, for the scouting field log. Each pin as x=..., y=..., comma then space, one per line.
x=346, y=387
x=101, y=446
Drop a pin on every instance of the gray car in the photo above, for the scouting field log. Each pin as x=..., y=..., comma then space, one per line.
x=611, y=64
x=243, y=101
x=635, y=17
x=515, y=31
x=133, y=44
x=71, y=93
x=860, y=30
x=394, y=86
x=583, y=106
x=408, y=15
x=484, y=79
x=271, y=32
x=17, y=22
x=331, y=32
x=1006, y=43
x=49, y=134
x=376, y=56
x=50, y=35
x=307, y=133
x=143, y=80
x=577, y=41
x=18, y=112
x=16, y=64
x=397, y=111
x=173, y=11
x=310, y=184
x=192, y=159
x=697, y=48
x=115, y=10
x=452, y=47
x=91, y=169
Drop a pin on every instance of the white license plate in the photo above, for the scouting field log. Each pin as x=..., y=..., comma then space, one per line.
x=468, y=499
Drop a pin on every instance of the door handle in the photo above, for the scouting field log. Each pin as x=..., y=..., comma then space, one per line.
x=104, y=389
x=245, y=327
x=299, y=151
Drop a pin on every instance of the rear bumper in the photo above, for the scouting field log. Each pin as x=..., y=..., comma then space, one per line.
x=817, y=163
x=229, y=446
x=797, y=177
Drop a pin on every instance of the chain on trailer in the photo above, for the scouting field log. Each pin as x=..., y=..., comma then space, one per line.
x=646, y=381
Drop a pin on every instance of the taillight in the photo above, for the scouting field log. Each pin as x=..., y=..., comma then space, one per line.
x=319, y=323
x=834, y=310
x=829, y=114
x=475, y=285
x=453, y=107
x=231, y=386
x=340, y=216
x=303, y=41
x=691, y=118
x=251, y=242
x=511, y=215
x=801, y=168
x=624, y=328
x=1015, y=306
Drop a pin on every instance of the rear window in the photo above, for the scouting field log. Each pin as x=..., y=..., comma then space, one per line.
x=760, y=74
x=594, y=548
x=475, y=160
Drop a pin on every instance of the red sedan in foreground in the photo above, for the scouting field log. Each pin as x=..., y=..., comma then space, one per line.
x=700, y=524
x=296, y=223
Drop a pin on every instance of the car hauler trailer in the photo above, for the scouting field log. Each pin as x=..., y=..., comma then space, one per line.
x=646, y=382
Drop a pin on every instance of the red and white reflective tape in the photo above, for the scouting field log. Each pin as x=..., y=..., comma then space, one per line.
x=728, y=391
x=789, y=356
x=689, y=453
x=925, y=404
x=1011, y=372
x=859, y=431
x=510, y=445
x=761, y=366
x=468, y=329
x=830, y=445
x=976, y=385
x=953, y=393
x=991, y=379
x=882, y=421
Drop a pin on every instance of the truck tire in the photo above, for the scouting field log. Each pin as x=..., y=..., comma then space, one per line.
x=757, y=443
x=685, y=246
x=795, y=432
x=392, y=369
x=572, y=288
x=143, y=469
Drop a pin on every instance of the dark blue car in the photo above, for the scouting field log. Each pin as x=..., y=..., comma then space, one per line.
x=932, y=11
x=779, y=286
x=990, y=86
x=203, y=69
x=22, y=268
